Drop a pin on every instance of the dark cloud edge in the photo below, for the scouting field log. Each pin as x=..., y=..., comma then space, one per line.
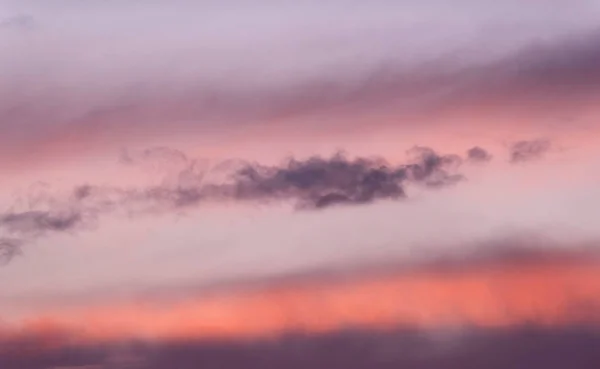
x=522, y=346
x=315, y=183
x=543, y=74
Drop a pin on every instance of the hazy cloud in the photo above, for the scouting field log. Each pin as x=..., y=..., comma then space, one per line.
x=314, y=183
x=477, y=154
x=517, y=347
x=522, y=151
x=109, y=71
x=22, y=21
x=9, y=248
x=38, y=222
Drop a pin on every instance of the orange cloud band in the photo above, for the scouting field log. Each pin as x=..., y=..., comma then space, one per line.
x=491, y=295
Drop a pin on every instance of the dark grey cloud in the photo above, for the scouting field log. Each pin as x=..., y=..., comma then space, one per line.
x=522, y=151
x=39, y=222
x=478, y=154
x=317, y=182
x=24, y=227
x=322, y=182
x=314, y=183
x=432, y=169
x=528, y=346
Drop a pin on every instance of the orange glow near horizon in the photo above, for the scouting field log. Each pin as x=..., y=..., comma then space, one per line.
x=492, y=296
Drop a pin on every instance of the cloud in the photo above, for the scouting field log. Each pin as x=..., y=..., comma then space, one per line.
x=494, y=283
x=314, y=183
x=39, y=222
x=323, y=182
x=406, y=347
x=477, y=154
x=118, y=73
x=9, y=248
x=21, y=22
x=522, y=151
x=86, y=84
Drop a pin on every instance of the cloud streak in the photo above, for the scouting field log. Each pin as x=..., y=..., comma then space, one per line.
x=314, y=183
x=400, y=259
x=480, y=285
x=320, y=183
x=9, y=248
x=522, y=151
x=406, y=347
x=172, y=82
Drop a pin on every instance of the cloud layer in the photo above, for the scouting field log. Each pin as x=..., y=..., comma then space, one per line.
x=86, y=74
x=461, y=232
x=314, y=183
x=550, y=348
x=484, y=286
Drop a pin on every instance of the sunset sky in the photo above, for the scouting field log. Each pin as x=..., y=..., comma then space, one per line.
x=246, y=183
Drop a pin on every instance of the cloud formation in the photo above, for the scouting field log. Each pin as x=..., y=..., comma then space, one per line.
x=38, y=222
x=478, y=154
x=406, y=347
x=522, y=151
x=481, y=284
x=373, y=244
x=81, y=82
x=320, y=183
x=9, y=248
x=314, y=183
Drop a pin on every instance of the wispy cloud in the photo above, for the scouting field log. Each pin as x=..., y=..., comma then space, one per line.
x=9, y=248
x=522, y=151
x=420, y=250
x=118, y=76
x=407, y=347
x=479, y=286
x=314, y=183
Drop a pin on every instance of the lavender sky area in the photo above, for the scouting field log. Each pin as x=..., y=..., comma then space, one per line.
x=287, y=183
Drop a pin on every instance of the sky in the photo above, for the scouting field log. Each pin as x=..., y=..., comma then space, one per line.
x=299, y=184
